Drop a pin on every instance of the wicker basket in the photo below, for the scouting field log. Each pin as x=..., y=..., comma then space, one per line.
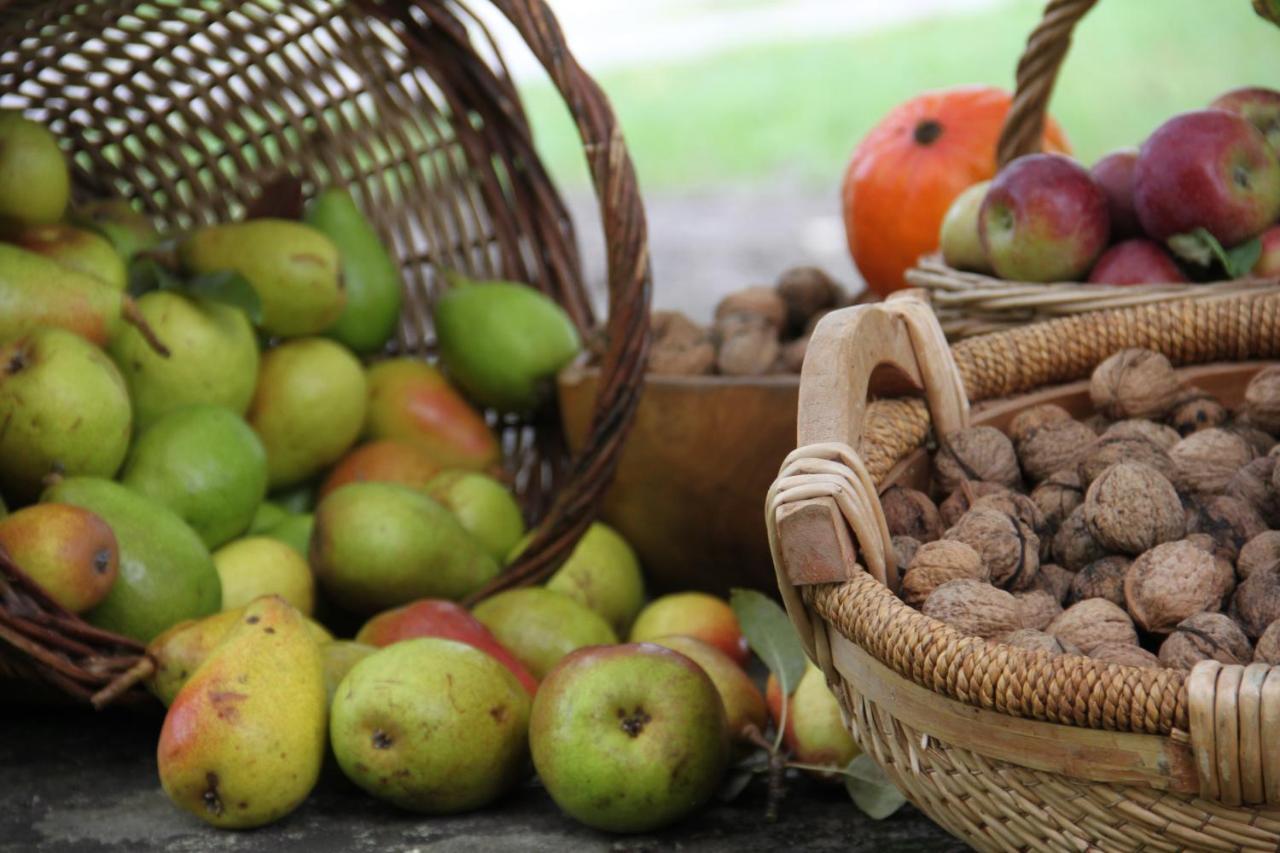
x=1006, y=748
x=189, y=109
x=970, y=304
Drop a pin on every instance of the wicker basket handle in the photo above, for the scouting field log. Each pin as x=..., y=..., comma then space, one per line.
x=1234, y=712
x=1037, y=73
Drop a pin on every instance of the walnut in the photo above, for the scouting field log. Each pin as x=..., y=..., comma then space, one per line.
x=1073, y=545
x=1131, y=508
x=1196, y=409
x=1230, y=521
x=911, y=513
x=1038, y=608
x=1100, y=579
x=806, y=291
x=1267, y=649
x=755, y=302
x=1260, y=441
x=1171, y=582
x=1262, y=399
x=1052, y=447
x=935, y=564
x=1205, y=636
x=791, y=356
x=1098, y=422
x=1205, y=461
x=1092, y=622
x=1030, y=421
x=974, y=607
x=962, y=499
x=976, y=453
x=1108, y=450
x=1017, y=505
x=1259, y=554
x=904, y=550
x=1134, y=383
x=680, y=347
x=1058, y=496
x=1038, y=641
x=1125, y=654
x=1257, y=602
x=748, y=345
x=1054, y=580
x=1253, y=484
x=1160, y=435
x=1007, y=545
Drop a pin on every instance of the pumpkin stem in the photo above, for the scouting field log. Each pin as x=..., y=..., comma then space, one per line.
x=928, y=131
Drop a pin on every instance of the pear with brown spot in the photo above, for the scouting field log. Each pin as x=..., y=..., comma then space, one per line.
x=70, y=552
x=244, y=740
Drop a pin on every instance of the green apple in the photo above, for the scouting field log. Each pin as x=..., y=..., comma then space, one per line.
x=960, y=240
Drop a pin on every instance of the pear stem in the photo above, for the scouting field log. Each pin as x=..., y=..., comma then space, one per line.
x=134, y=317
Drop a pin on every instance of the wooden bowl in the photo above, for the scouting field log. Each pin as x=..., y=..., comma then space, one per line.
x=691, y=482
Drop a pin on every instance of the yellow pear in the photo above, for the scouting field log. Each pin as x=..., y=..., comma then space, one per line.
x=260, y=565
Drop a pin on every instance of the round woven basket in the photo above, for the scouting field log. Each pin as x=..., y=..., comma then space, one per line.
x=1011, y=749
x=969, y=303
x=190, y=110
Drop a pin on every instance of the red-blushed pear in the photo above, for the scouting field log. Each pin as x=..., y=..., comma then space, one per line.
x=340, y=657
x=1259, y=105
x=70, y=552
x=1268, y=265
x=1044, y=219
x=743, y=701
x=1207, y=169
x=385, y=461
x=1114, y=175
x=1136, y=262
x=815, y=732
x=629, y=738
x=78, y=248
x=694, y=614
x=434, y=617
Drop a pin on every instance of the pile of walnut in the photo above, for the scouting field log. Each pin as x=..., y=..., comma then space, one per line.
x=1150, y=535
x=756, y=331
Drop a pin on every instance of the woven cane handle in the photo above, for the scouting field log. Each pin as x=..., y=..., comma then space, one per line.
x=1234, y=714
x=1037, y=73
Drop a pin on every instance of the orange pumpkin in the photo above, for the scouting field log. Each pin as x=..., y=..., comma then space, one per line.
x=906, y=172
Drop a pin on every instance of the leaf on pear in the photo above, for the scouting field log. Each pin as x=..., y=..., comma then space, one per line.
x=1243, y=258
x=870, y=789
x=146, y=274
x=770, y=635
x=229, y=288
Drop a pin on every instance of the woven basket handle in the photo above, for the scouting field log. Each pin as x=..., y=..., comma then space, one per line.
x=1037, y=73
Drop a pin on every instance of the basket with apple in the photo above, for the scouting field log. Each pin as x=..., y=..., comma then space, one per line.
x=331, y=181
x=1194, y=212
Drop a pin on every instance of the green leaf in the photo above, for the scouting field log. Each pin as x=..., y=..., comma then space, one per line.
x=771, y=636
x=147, y=274
x=870, y=789
x=1243, y=258
x=740, y=776
x=229, y=288
x=1201, y=247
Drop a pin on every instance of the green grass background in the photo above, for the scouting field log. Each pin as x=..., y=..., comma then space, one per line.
x=796, y=110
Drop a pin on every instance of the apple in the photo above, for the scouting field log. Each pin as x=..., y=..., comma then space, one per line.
x=1206, y=169
x=959, y=239
x=628, y=738
x=1135, y=262
x=1044, y=219
x=1114, y=175
x=1260, y=106
x=437, y=617
x=815, y=732
x=694, y=614
x=743, y=702
x=1268, y=265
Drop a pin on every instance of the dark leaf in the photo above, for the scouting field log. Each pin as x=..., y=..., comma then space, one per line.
x=147, y=274
x=771, y=636
x=870, y=789
x=1243, y=258
x=229, y=288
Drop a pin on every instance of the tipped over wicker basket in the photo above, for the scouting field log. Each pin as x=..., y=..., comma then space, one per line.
x=188, y=110
x=970, y=303
x=1011, y=749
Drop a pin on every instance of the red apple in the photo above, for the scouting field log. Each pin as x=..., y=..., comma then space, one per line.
x=1268, y=265
x=1044, y=219
x=1206, y=169
x=1135, y=262
x=433, y=617
x=1114, y=174
x=1260, y=106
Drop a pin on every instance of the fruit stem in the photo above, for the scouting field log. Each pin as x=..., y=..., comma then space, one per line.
x=777, y=767
x=134, y=317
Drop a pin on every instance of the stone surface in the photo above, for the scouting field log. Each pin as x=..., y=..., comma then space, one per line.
x=75, y=781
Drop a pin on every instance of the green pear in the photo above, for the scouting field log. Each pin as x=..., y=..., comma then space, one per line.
x=64, y=409
x=266, y=516
x=483, y=506
x=166, y=573
x=540, y=626
x=204, y=463
x=369, y=275
x=70, y=552
x=293, y=268
x=129, y=231
x=379, y=545
x=295, y=531
x=431, y=725
x=604, y=574
x=35, y=183
x=308, y=408
x=503, y=343
x=339, y=657
x=244, y=740
x=178, y=651
x=255, y=566
x=80, y=249
x=959, y=240
x=213, y=359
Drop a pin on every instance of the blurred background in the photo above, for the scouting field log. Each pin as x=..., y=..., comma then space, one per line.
x=740, y=114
